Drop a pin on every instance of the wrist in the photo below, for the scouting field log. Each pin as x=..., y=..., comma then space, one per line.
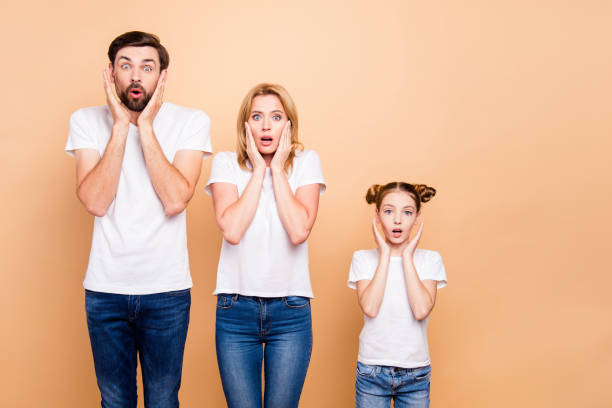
x=121, y=127
x=276, y=169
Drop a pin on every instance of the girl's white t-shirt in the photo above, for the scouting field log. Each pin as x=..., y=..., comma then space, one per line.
x=394, y=337
x=265, y=263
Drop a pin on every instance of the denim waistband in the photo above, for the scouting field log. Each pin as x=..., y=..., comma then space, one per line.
x=396, y=370
x=236, y=296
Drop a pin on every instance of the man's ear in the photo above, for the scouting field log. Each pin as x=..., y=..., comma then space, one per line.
x=112, y=72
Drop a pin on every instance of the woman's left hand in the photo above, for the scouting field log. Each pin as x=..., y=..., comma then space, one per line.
x=283, y=149
x=408, y=252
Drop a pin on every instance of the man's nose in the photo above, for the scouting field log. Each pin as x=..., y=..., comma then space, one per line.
x=135, y=75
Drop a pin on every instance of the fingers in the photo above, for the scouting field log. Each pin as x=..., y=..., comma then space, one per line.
x=417, y=237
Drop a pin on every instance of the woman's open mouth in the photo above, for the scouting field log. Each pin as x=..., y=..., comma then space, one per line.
x=266, y=141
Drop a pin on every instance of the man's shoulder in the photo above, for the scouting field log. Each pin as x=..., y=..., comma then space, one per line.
x=178, y=112
x=90, y=112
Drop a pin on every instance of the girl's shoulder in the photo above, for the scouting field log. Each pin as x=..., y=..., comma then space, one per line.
x=366, y=255
x=427, y=255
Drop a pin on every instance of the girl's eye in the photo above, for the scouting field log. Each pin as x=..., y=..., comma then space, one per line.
x=148, y=68
x=408, y=212
x=256, y=117
x=387, y=211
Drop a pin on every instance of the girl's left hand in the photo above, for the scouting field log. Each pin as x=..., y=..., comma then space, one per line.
x=408, y=252
x=283, y=149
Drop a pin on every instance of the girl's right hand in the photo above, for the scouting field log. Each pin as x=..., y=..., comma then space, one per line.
x=257, y=161
x=383, y=247
x=121, y=115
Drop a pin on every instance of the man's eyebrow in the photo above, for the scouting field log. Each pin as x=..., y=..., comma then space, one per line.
x=124, y=57
x=149, y=60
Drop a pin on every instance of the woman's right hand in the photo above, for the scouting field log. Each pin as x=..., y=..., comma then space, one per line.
x=121, y=115
x=383, y=247
x=257, y=161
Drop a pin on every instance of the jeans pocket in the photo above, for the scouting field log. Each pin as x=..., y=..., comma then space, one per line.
x=179, y=292
x=365, y=370
x=225, y=301
x=296, y=302
x=422, y=374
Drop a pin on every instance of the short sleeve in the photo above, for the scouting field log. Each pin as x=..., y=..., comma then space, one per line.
x=224, y=169
x=310, y=171
x=360, y=269
x=79, y=136
x=196, y=135
x=434, y=269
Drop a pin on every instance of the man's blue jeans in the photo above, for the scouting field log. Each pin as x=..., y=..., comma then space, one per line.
x=276, y=330
x=154, y=327
x=376, y=385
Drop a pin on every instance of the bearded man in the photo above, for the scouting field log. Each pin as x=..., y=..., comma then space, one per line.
x=138, y=160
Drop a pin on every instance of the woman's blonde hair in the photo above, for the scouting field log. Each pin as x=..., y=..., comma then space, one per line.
x=421, y=193
x=245, y=111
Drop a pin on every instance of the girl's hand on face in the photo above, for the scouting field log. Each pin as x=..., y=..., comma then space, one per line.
x=283, y=149
x=121, y=114
x=408, y=252
x=380, y=241
x=257, y=161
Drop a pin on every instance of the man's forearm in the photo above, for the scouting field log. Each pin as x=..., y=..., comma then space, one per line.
x=97, y=186
x=172, y=188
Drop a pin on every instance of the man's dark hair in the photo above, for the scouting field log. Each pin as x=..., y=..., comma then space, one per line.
x=139, y=39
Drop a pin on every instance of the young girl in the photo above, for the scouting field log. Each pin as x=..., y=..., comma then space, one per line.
x=396, y=287
x=266, y=197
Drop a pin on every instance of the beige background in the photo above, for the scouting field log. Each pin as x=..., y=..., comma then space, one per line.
x=502, y=106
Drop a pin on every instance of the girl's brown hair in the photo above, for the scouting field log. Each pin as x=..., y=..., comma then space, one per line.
x=245, y=111
x=421, y=193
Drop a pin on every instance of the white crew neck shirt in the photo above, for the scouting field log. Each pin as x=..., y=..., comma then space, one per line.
x=265, y=263
x=394, y=337
x=136, y=249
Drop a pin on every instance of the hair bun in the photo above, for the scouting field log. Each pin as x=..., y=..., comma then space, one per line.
x=425, y=192
x=372, y=193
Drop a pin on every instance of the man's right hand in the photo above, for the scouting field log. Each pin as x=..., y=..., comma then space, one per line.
x=121, y=115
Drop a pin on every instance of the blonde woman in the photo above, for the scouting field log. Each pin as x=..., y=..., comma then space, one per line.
x=265, y=196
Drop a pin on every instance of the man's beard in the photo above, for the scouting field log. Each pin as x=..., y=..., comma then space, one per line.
x=135, y=105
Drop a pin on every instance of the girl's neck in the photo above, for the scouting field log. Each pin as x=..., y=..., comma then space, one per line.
x=397, y=249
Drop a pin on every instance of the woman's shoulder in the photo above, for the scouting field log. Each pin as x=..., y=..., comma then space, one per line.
x=226, y=157
x=306, y=156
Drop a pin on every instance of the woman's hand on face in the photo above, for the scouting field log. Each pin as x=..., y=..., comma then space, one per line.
x=257, y=161
x=283, y=149
x=121, y=114
x=408, y=252
x=380, y=240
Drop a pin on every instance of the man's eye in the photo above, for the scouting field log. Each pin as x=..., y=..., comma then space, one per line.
x=148, y=68
x=125, y=66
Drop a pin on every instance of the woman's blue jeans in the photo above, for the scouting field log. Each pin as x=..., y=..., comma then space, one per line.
x=277, y=331
x=152, y=327
x=376, y=385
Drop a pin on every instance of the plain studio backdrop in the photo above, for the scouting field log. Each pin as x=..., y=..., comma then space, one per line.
x=502, y=106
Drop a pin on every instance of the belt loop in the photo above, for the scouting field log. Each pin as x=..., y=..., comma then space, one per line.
x=235, y=297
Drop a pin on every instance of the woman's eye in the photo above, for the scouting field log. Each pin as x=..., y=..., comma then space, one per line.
x=256, y=117
x=148, y=68
x=276, y=117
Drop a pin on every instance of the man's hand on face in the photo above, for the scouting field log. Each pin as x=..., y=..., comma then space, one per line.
x=121, y=114
x=147, y=116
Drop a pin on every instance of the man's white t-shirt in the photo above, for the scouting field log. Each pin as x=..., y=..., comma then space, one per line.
x=136, y=249
x=265, y=263
x=394, y=337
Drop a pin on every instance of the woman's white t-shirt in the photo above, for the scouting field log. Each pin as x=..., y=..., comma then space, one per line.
x=394, y=337
x=265, y=263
